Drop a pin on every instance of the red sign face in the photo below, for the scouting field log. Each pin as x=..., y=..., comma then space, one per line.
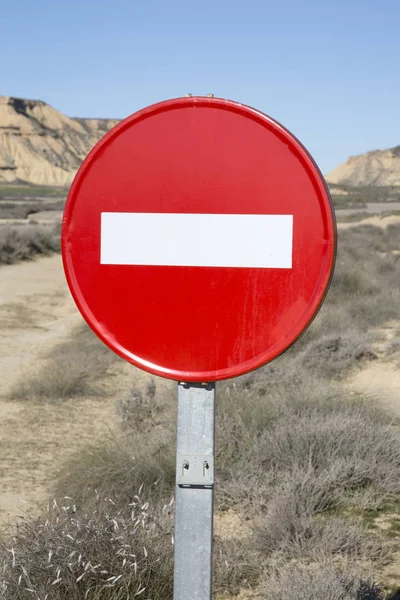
x=198, y=239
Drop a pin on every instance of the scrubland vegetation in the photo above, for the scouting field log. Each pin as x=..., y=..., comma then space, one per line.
x=73, y=369
x=30, y=191
x=347, y=196
x=22, y=210
x=307, y=468
x=27, y=242
x=20, y=240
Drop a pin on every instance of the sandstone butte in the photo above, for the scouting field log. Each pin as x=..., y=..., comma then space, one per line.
x=376, y=168
x=40, y=145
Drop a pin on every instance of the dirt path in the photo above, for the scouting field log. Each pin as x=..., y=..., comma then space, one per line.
x=36, y=310
x=380, y=381
x=37, y=313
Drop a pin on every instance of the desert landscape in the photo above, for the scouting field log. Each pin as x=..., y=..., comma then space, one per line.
x=308, y=447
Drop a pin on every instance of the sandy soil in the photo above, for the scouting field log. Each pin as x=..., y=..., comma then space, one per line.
x=36, y=313
x=380, y=381
x=45, y=217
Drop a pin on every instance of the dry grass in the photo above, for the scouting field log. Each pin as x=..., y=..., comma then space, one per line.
x=26, y=243
x=365, y=290
x=74, y=368
x=67, y=554
x=297, y=525
x=332, y=356
x=27, y=191
x=107, y=554
x=140, y=409
x=349, y=440
x=117, y=467
x=320, y=583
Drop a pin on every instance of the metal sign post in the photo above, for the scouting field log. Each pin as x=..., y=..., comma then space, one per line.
x=194, y=492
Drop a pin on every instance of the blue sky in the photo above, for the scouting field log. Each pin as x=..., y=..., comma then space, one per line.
x=329, y=71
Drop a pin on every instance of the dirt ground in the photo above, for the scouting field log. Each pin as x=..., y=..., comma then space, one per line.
x=36, y=313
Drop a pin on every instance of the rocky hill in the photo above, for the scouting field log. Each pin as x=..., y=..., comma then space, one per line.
x=376, y=168
x=40, y=145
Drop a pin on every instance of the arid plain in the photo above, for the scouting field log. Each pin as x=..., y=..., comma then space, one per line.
x=308, y=447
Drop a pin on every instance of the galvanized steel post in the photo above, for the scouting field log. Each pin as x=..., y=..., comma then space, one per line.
x=194, y=492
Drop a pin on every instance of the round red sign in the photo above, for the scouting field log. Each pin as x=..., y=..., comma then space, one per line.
x=198, y=239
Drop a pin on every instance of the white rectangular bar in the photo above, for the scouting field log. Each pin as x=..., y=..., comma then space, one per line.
x=197, y=240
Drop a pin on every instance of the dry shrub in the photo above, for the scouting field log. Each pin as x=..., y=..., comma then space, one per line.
x=26, y=243
x=236, y=566
x=67, y=554
x=74, y=368
x=293, y=526
x=117, y=466
x=332, y=356
x=368, y=451
x=320, y=583
x=365, y=290
x=348, y=445
x=143, y=409
x=366, y=279
x=136, y=409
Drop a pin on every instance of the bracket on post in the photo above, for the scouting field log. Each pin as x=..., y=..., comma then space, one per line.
x=195, y=470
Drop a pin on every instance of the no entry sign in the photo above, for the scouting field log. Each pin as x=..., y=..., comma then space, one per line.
x=198, y=239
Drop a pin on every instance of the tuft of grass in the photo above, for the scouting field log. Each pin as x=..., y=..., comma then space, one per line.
x=73, y=369
x=237, y=567
x=140, y=409
x=68, y=554
x=117, y=467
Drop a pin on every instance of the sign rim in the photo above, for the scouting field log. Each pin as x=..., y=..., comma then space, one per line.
x=308, y=163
